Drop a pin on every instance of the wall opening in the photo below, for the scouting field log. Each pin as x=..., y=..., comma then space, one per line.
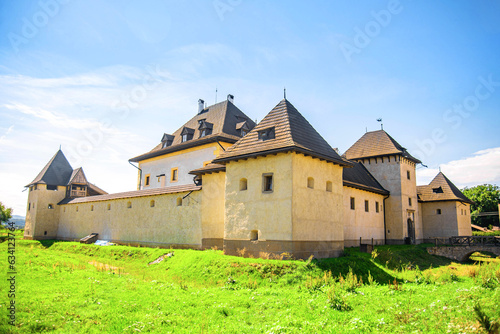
x=329, y=186
x=438, y=211
x=77, y=208
x=51, y=206
x=267, y=183
x=109, y=207
x=254, y=235
x=179, y=201
x=243, y=184
x=91, y=208
x=129, y=205
x=367, y=206
x=310, y=183
x=44, y=232
x=353, y=203
x=152, y=203
x=377, y=207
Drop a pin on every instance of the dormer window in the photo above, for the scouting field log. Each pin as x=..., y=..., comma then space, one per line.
x=187, y=134
x=166, y=140
x=267, y=134
x=205, y=128
x=438, y=190
x=242, y=127
x=243, y=132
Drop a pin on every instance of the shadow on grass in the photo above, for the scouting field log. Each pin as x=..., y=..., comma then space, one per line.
x=397, y=257
x=48, y=243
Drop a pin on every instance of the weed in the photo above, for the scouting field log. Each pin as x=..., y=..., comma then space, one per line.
x=241, y=252
x=337, y=299
x=490, y=326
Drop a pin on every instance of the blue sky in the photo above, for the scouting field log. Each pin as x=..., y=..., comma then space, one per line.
x=106, y=79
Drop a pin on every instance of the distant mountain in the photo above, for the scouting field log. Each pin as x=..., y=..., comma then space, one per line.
x=18, y=221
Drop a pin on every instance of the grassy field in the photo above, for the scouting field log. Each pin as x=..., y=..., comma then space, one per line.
x=67, y=287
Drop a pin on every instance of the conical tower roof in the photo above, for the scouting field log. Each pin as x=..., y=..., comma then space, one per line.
x=57, y=172
x=292, y=132
x=441, y=189
x=376, y=144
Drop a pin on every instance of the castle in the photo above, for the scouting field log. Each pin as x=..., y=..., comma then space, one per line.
x=268, y=188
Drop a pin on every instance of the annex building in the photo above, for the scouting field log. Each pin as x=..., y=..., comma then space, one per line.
x=254, y=189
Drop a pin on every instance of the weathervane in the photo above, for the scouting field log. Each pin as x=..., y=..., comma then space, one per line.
x=381, y=124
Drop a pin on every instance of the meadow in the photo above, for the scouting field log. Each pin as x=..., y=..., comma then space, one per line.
x=67, y=287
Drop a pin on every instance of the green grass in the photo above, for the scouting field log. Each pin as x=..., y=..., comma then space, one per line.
x=487, y=234
x=67, y=287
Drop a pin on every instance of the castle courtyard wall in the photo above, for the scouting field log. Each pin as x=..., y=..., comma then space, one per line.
x=148, y=220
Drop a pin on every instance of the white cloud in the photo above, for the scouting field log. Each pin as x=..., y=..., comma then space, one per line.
x=480, y=168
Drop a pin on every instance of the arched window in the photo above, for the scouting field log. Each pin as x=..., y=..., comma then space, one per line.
x=152, y=203
x=243, y=184
x=310, y=182
x=329, y=186
x=179, y=201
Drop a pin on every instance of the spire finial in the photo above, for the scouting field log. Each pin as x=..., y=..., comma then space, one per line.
x=381, y=124
x=284, y=93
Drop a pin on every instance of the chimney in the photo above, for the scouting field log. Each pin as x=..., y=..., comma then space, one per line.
x=230, y=98
x=201, y=106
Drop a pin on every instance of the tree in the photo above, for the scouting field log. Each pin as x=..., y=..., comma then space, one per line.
x=486, y=198
x=5, y=213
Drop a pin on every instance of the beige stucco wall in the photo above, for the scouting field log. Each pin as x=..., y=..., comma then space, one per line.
x=212, y=209
x=449, y=223
x=39, y=218
x=164, y=224
x=359, y=223
x=317, y=214
x=390, y=172
x=252, y=209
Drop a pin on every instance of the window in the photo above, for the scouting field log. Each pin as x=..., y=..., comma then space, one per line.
x=243, y=184
x=33, y=205
x=29, y=206
x=77, y=209
x=353, y=204
x=438, y=211
x=367, y=206
x=254, y=235
x=267, y=182
x=408, y=174
x=109, y=207
x=310, y=183
x=409, y=201
x=329, y=186
x=146, y=182
x=44, y=232
x=51, y=187
x=64, y=209
x=152, y=203
x=129, y=205
x=184, y=138
x=91, y=208
x=377, y=208
x=267, y=134
x=438, y=190
x=179, y=201
x=243, y=132
x=174, y=173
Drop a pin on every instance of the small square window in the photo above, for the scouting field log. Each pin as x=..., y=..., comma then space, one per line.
x=438, y=211
x=51, y=206
x=353, y=203
x=267, y=134
x=367, y=206
x=267, y=182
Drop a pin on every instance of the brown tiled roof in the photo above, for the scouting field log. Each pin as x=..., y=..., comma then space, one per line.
x=75, y=173
x=57, y=172
x=359, y=177
x=223, y=116
x=132, y=194
x=376, y=144
x=441, y=189
x=292, y=133
x=95, y=190
x=209, y=168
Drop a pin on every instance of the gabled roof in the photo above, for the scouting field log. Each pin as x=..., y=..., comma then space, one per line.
x=78, y=176
x=359, y=177
x=57, y=172
x=441, y=189
x=376, y=144
x=292, y=133
x=223, y=117
x=209, y=168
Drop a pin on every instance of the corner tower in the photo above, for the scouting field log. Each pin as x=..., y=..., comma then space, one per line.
x=394, y=168
x=45, y=192
x=284, y=191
